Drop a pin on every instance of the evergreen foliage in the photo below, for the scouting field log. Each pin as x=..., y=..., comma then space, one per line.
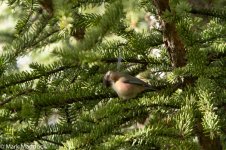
x=61, y=103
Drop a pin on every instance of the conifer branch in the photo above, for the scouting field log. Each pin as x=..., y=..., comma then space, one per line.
x=35, y=135
x=43, y=38
x=214, y=56
x=66, y=130
x=195, y=64
x=177, y=54
x=5, y=36
x=62, y=103
x=67, y=114
x=163, y=105
x=53, y=142
x=209, y=40
x=36, y=76
x=131, y=60
x=209, y=12
x=7, y=100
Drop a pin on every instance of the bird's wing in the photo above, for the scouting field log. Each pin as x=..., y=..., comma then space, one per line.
x=133, y=80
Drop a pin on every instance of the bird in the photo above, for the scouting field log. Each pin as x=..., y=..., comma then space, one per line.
x=125, y=85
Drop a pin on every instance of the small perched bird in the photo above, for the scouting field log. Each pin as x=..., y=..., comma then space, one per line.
x=126, y=86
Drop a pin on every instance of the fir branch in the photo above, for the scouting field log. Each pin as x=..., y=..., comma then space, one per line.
x=62, y=130
x=31, y=77
x=38, y=134
x=67, y=114
x=130, y=60
x=213, y=56
x=62, y=103
x=39, y=143
x=53, y=142
x=7, y=100
x=6, y=37
x=30, y=38
x=110, y=19
x=43, y=38
x=85, y=3
x=24, y=23
x=209, y=40
x=164, y=105
x=89, y=117
x=209, y=12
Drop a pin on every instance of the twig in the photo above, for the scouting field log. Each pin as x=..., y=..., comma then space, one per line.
x=53, y=142
x=131, y=60
x=35, y=76
x=7, y=100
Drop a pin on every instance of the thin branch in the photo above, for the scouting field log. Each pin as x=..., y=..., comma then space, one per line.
x=214, y=56
x=131, y=60
x=62, y=103
x=165, y=105
x=208, y=12
x=65, y=130
x=39, y=143
x=30, y=78
x=53, y=142
x=7, y=100
x=208, y=40
x=66, y=111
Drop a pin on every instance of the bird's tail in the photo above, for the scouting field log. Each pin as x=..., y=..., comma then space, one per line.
x=154, y=88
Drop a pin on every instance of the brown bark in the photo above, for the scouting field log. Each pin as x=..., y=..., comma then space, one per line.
x=177, y=54
x=204, y=140
x=171, y=38
x=79, y=34
x=47, y=5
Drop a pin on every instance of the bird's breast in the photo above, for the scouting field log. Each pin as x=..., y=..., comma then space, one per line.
x=126, y=90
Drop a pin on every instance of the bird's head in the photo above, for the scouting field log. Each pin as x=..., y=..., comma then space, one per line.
x=109, y=78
